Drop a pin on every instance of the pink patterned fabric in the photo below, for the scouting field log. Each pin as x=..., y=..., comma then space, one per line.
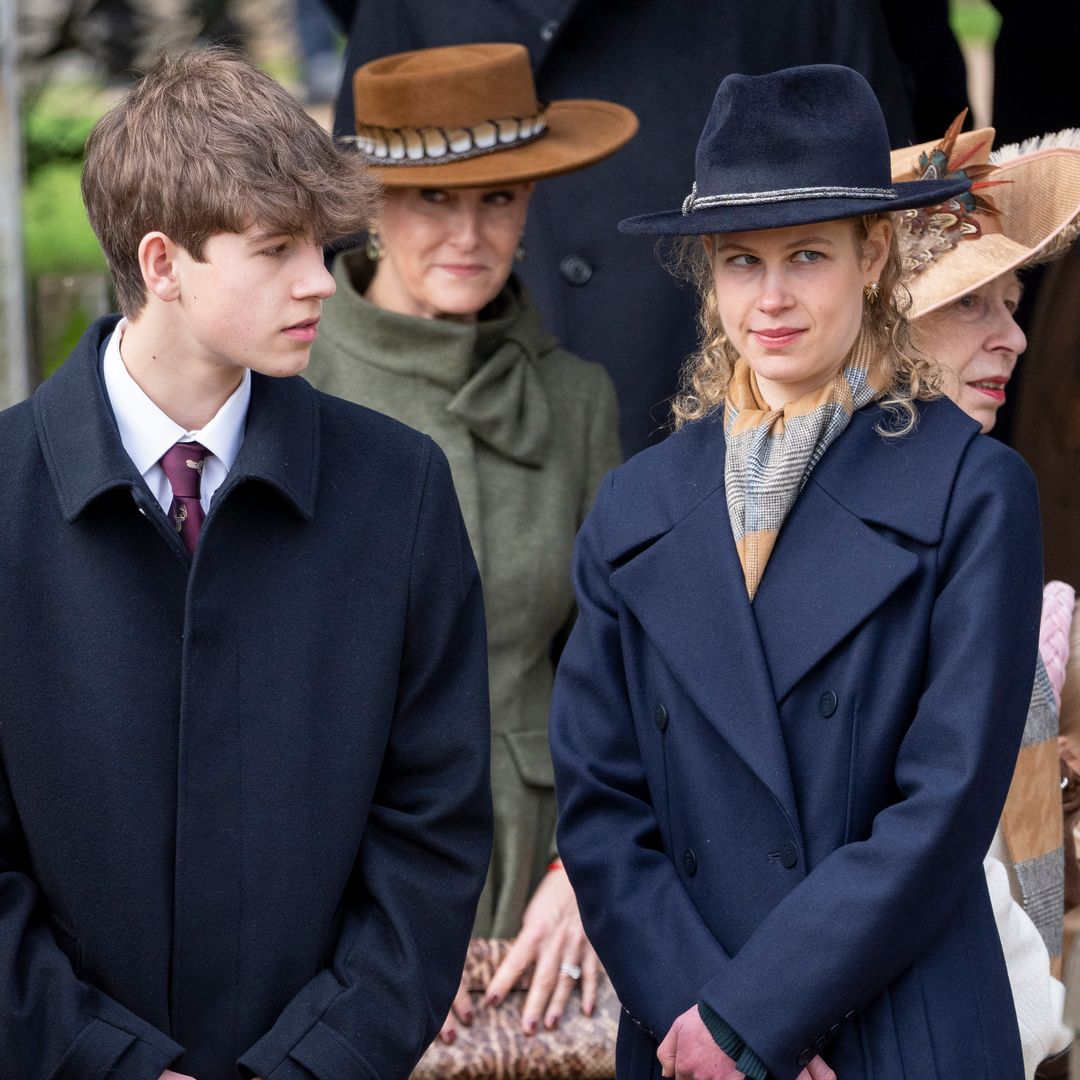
x=1057, y=612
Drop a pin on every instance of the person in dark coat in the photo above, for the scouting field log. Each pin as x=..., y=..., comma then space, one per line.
x=244, y=805
x=785, y=722
x=603, y=296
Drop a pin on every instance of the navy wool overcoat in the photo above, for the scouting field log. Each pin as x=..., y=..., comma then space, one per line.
x=781, y=809
x=244, y=799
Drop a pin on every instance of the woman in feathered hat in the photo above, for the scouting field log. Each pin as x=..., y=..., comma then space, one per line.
x=962, y=261
x=430, y=325
x=785, y=722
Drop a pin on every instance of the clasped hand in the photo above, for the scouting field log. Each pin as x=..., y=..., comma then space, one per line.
x=689, y=1052
x=551, y=937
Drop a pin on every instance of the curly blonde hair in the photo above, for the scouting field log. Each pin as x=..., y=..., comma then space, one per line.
x=706, y=373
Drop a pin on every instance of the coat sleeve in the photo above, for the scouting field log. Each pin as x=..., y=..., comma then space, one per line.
x=609, y=837
x=873, y=907
x=52, y=1025
x=409, y=908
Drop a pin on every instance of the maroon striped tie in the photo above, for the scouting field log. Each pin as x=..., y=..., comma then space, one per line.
x=183, y=465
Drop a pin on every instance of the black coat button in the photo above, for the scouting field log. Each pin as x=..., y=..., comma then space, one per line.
x=661, y=717
x=828, y=703
x=575, y=270
x=805, y=1058
x=549, y=29
x=689, y=861
x=788, y=855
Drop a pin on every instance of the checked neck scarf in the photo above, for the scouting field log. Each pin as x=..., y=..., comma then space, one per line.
x=770, y=452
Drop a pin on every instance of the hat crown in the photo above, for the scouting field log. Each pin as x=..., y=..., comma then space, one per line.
x=813, y=127
x=454, y=86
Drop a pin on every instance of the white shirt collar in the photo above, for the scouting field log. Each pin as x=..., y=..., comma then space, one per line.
x=147, y=432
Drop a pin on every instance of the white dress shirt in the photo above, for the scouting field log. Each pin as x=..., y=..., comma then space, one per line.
x=147, y=432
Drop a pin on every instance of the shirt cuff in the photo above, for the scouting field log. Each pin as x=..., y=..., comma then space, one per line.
x=746, y=1061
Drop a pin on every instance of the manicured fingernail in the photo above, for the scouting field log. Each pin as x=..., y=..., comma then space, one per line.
x=530, y=1026
x=493, y=999
x=551, y=1023
x=588, y=1010
x=468, y=1017
x=449, y=1036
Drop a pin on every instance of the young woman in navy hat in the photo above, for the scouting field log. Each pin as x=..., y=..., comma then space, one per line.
x=785, y=722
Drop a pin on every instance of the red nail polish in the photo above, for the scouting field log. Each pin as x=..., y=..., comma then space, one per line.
x=468, y=1018
x=493, y=1000
x=530, y=1026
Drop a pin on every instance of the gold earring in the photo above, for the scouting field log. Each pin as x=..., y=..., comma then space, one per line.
x=373, y=249
x=870, y=292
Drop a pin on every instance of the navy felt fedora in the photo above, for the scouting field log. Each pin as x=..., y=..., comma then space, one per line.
x=793, y=147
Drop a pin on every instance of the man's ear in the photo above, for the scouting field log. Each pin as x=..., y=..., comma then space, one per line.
x=157, y=261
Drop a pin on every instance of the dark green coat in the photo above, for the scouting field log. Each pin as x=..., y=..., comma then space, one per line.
x=529, y=430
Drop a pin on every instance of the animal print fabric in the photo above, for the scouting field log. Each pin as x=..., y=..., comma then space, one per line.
x=494, y=1047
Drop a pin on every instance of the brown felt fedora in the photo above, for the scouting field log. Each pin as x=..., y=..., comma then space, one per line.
x=468, y=116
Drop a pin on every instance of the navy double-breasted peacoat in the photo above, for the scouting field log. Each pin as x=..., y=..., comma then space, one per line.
x=780, y=809
x=244, y=802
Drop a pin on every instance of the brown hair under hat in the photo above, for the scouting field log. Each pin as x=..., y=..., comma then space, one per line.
x=468, y=116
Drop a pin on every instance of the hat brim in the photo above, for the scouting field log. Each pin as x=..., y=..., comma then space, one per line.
x=579, y=133
x=778, y=215
x=1039, y=209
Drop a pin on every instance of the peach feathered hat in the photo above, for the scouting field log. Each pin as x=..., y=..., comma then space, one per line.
x=1023, y=209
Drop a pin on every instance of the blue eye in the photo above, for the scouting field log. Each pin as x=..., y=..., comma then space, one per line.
x=969, y=302
x=808, y=256
x=743, y=260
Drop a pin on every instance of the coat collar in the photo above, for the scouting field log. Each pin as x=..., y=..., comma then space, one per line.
x=677, y=569
x=86, y=458
x=487, y=368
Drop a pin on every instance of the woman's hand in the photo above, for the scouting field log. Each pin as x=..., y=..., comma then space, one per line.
x=461, y=1010
x=552, y=941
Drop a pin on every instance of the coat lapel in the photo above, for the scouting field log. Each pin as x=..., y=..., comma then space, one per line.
x=687, y=591
x=830, y=570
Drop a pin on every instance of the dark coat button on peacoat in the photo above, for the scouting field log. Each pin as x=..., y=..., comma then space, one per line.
x=689, y=861
x=788, y=856
x=828, y=703
x=661, y=717
x=575, y=270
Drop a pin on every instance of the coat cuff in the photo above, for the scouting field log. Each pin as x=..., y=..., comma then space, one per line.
x=746, y=1061
x=101, y=1049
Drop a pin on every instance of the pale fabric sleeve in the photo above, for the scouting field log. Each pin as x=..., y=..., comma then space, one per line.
x=1039, y=998
x=1059, y=600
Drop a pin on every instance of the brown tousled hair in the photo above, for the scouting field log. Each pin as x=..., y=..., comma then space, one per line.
x=206, y=143
x=706, y=373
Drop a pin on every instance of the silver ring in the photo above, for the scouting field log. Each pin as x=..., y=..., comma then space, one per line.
x=573, y=970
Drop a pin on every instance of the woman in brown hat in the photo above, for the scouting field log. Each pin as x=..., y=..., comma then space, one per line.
x=962, y=262
x=430, y=325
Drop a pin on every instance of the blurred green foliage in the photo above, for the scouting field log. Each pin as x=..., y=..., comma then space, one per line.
x=57, y=236
x=975, y=21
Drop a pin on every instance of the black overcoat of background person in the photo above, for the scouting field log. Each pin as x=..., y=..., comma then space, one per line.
x=604, y=295
x=245, y=809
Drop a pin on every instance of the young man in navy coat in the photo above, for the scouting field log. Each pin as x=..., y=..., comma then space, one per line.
x=244, y=801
